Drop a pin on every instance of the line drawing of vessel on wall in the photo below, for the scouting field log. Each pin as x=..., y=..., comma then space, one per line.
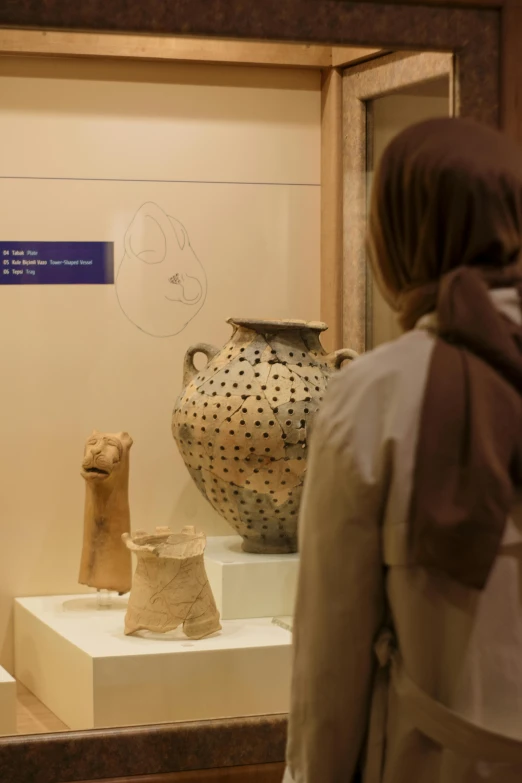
x=161, y=285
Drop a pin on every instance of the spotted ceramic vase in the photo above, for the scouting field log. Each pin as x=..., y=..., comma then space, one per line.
x=241, y=424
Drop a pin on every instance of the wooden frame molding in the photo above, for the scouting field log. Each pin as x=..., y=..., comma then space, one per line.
x=361, y=84
x=331, y=209
x=152, y=752
x=511, y=99
x=54, y=43
x=261, y=773
x=450, y=3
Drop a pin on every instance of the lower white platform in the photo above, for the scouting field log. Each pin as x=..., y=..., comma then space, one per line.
x=76, y=659
x=248, y=585
x=7, y=703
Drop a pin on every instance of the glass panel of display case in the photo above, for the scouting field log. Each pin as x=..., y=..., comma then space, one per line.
x=145, y=205
x=164, y=245
x=387, y=116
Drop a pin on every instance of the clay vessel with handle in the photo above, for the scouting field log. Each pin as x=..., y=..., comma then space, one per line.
x=242, y=423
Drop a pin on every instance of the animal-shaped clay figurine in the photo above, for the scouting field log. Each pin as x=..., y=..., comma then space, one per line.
x=160, y=284
x=170, y=586
x=106, y=561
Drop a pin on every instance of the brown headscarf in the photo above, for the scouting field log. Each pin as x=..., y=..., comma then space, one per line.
x=446, y=225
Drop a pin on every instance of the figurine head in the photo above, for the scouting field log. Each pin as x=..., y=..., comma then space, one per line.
x=105, y=455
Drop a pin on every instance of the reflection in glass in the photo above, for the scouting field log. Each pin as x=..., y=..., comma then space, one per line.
x=387, y=116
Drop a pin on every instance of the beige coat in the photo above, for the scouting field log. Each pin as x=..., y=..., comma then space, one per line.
x=438, y=698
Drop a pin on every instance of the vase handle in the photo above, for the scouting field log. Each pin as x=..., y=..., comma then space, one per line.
x=189, y=369
x=336, y=358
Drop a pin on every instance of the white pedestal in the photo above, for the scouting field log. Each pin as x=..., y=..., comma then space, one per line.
x=7, y=703
x=76, y=659
x=246, y=585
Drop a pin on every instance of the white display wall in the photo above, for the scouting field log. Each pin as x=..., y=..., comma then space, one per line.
x=231, y=153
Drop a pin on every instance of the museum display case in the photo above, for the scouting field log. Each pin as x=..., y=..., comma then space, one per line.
x=183, y=270
x=155, y=201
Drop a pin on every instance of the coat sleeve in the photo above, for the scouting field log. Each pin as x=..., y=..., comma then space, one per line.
x=340, y=603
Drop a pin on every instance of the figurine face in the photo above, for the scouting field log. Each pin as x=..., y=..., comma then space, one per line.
x=103, y=455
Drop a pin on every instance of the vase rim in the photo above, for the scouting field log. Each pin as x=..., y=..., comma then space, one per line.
x=285, y=325
x=164, y=543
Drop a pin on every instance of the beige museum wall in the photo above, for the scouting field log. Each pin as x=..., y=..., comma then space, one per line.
x=390, y=115
x=234, y=155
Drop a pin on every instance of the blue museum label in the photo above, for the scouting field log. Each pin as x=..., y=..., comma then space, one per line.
x=56, y=263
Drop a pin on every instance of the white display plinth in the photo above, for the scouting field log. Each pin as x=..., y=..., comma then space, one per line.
x=247, y=585
x=76, y=659
x=7, y=703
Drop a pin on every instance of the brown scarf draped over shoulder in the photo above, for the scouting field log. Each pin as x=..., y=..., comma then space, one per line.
x=445, y=226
